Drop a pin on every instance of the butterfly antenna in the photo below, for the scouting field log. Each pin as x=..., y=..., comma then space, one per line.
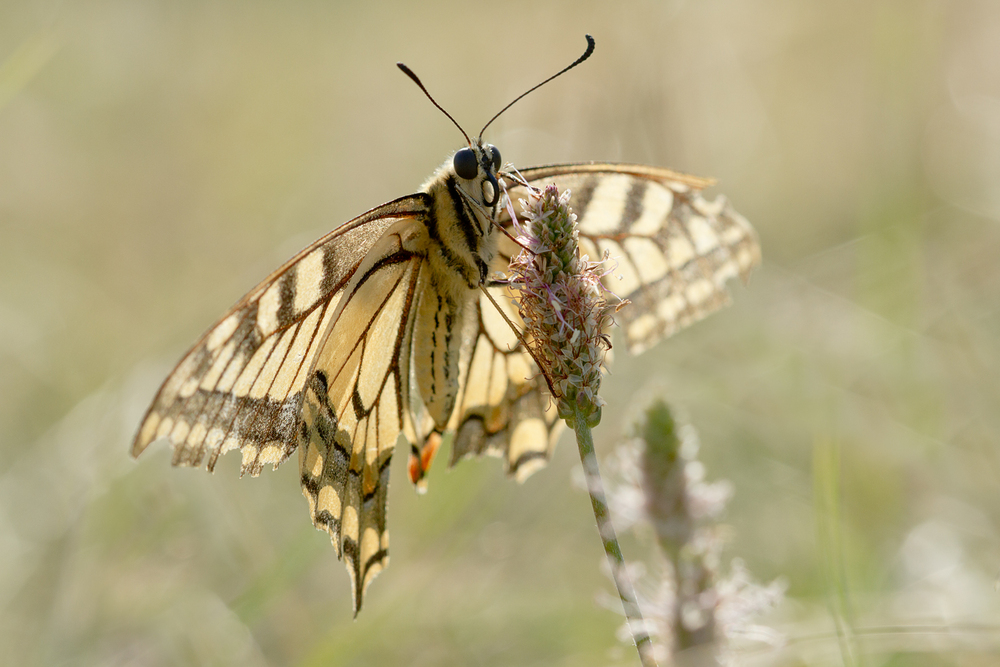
x=586, y=54
x=409, y=72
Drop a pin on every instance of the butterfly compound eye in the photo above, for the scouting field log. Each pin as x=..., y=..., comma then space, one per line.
x=465, y=164
x=495, y=152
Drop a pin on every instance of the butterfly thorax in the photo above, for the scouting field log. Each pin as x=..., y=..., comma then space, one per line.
x=465, y=200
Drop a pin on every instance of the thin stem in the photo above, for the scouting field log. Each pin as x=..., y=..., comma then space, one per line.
x=626, y=592
x=826, y=472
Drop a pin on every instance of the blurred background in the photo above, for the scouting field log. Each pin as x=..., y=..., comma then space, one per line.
x=158, y=158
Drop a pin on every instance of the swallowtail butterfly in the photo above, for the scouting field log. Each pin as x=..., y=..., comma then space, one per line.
x=381, y=328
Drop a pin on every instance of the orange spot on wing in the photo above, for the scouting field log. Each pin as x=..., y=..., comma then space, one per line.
x=420, y=463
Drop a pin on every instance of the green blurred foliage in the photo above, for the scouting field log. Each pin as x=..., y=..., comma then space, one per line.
x=158, y=158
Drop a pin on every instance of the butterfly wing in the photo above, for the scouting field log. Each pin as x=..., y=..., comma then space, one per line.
x=241, y=385
x=502, y=410
x=673, y=250
x=356, y=404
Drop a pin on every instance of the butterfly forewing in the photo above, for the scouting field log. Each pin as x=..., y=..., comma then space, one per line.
x=240, y=386
x=671, y=250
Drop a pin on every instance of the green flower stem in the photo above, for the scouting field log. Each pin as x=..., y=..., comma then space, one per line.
x=585, y=442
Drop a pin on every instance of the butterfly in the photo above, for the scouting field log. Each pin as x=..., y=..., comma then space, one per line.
x=386, y=326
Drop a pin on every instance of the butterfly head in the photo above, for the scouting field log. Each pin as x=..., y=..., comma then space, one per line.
x=478, y=165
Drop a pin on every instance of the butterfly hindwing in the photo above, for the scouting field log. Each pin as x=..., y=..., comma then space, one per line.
x=355, y=404
x=502, y=410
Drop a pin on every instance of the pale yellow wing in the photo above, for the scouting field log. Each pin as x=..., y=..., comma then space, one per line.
x=241, y=385
x=356, y=405
x=673, y=250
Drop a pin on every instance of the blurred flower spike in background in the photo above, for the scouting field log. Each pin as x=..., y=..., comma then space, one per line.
x=692, y=607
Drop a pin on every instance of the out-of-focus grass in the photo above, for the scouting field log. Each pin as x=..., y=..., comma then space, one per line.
x=156, y=159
